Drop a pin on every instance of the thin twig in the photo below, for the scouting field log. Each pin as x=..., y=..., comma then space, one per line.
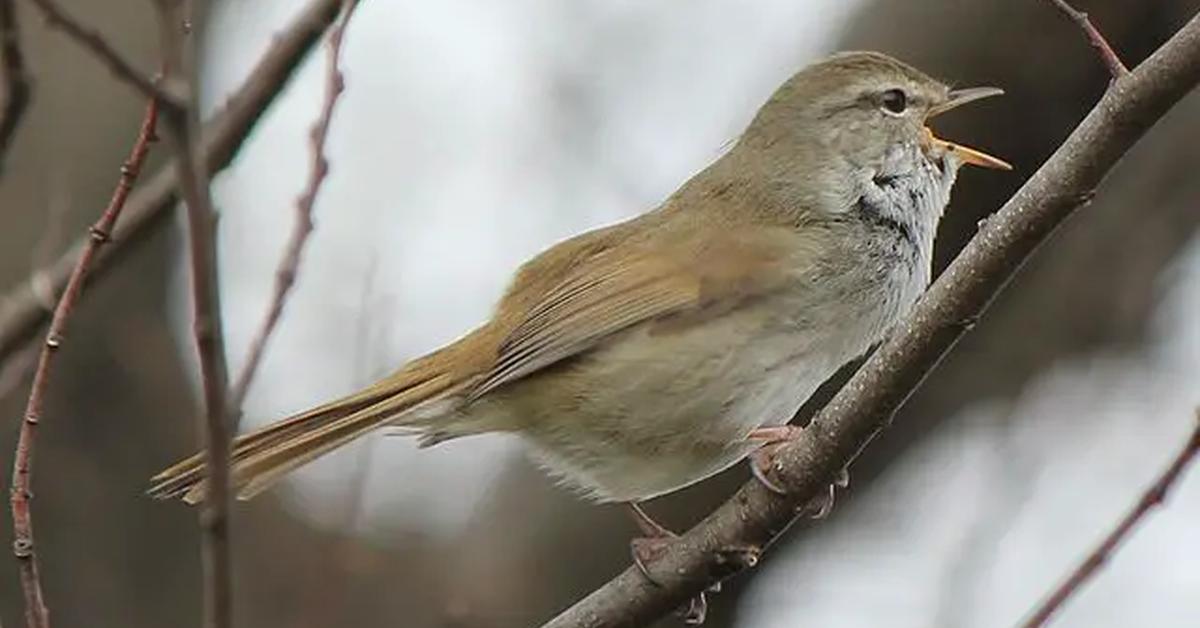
x=289, y=263
x=1155, y=495
x=363, y=342
x=101, y=49
x=22, y=309
x=16, y=81
x=754, y=517
x=1108, y=56
x=183, y=128
x=36, y=614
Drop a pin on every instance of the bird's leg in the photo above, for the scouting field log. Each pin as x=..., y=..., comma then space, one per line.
x=648, y=548
x=646, y=524
x=762, y=459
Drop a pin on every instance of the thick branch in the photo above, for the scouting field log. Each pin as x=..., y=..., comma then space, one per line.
x=15, y=79
x=101, y=49
x=754, y=517
x=22, y=311
x=36, y=615
x=289, y=264
x=1154, y=496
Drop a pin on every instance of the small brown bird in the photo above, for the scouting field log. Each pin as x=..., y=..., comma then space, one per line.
x=642, y=357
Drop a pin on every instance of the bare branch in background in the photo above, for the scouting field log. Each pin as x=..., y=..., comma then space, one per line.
x=285, y=273
x=1112, y=62
x=755, y=516
x=22, y=311
x=183, y=125
x=327, y=589
x=15, y=80
x=14, y=370
x=1154, y=496
x=36, y=614
x=101, y=49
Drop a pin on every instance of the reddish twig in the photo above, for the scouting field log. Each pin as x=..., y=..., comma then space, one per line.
x=1108, y=56
x=36, y=615
x=16, y=80
x=100, y=48
x=289, y=263
x=1153, y=496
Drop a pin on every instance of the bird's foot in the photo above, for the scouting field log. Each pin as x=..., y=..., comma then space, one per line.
x=649, y=548
x=762, y=462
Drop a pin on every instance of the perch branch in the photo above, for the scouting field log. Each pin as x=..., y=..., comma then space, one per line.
x=22, y=309
x=1153, y=496
x=36, y=614
x=1108, y=56
x=754, y=517
x=289, y=263
x=16, y=80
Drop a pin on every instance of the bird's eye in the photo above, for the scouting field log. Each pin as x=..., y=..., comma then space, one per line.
x=894, y=102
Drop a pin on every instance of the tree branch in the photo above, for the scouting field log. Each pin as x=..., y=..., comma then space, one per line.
x=16, y=81
x=285, y=273
x=93, y=41
x=183, y=125
x=754, y=517
x=1108, y=56
x=1153, y=496
x=36, y=614
x=22, y=311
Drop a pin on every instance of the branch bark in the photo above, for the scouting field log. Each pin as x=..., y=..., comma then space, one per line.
x=289, y=264
x=754, y=517
x=183, y=126
x=1153, y=496
x=22, y=311
x=36, y=613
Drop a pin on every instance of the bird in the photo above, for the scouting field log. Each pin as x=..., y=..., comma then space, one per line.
x=645, y=356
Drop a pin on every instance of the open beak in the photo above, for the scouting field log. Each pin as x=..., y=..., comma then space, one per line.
x=956, y=99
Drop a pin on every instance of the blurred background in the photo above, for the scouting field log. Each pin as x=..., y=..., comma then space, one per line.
x=471, y=135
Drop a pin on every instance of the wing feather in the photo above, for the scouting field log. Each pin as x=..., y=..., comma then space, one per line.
x=619, y=289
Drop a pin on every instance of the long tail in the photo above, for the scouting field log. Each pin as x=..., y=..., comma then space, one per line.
x=261, y=457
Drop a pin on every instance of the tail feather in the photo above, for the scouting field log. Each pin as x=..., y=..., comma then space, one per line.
x=175, y=480
x=258, y=472
x=261, y=457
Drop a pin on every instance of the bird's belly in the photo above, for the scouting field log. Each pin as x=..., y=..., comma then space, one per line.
x=666, y=413
x=654, y=411
x=691, y=440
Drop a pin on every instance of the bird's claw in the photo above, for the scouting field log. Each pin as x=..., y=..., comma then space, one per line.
x=762, y=462
x=820, y=507
x=648, y=549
